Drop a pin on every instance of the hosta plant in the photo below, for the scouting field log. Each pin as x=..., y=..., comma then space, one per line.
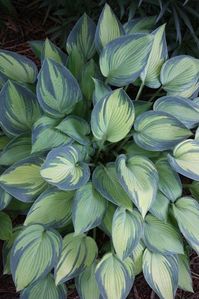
x=104, y=178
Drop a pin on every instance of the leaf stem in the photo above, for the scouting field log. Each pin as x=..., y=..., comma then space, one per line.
x=94, y=233
x=139, y=91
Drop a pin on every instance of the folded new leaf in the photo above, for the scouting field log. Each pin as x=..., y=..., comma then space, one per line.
x=34, y=254
x=184, y=275
x=78, y=253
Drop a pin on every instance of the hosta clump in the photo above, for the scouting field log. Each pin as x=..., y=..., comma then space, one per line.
x=97, y=172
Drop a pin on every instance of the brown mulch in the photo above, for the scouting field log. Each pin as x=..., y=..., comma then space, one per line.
x=14, y=36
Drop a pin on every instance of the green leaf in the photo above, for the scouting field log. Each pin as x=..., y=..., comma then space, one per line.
x=185, y=111
x=137, y=25
x=6, y=226
x=184, y=279
x=160, y=206
x=82, y=37
x=141, y=106
x=75, y=127
x=45, y=136
x=23, y=180
x=106, y=224
x=151, y=74
x=19, y=109
x=52, y=208
x=75, y=62
x=139, y=178
x=161, y=273
x=87, y=199
x=17, y=67
x=114, y=277
x=186, y=212
x=78, y=253
x=137, y=256
x=52, y=51
x=37, y=47
x=179, y=74
x=169, y=181
x=123, y=59
x=86, y=284
x=57, y=89
x=108, y=28
x=4, y=140
x=64, y=168
x=17, y=149
x=113, y=116
x=185, y=159
x=100, y=91
x=106, y=182
x=159, y=131
x=194, y=189
x=132, y=148
x=44, y=288
x=89, y=71
x=161, y=237
x=126, y=231
x=34, y=253
x=5, y=199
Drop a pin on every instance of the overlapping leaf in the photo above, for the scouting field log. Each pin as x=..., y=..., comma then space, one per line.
x=184, y=279
x=52, y=51
x=6, y=226
x=136, y=25
x=101, y=90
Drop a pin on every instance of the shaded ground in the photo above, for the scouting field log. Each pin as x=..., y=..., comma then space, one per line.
x=29, y=25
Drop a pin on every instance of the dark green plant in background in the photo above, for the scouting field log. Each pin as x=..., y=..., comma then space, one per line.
x=95, y=161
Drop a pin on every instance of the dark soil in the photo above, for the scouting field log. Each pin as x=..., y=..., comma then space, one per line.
x=17, y=30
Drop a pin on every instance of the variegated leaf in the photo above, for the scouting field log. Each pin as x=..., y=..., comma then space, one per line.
x=139, y=178
x=114, y=277
x=52, y=208
x=34, y=253
x=112, y=117
x=52, y=51
x=108, y=28
x=23, y=180
x=126, y=231
x=123, y=59
x=161, y=273
x=162, y=237
x=64, y=168
x=5, y=199
x=87, y=199
x=160, y=206
x=139, y=25
x=137, y=256
x=78, y=253
x=101, y=90
x=184, y=279
x=19, y=109
x=82, y=37
x=159, y=131
x=106, y=224
x=57, y=89
x=185, y=159
x=132, y=148
x=17, y=67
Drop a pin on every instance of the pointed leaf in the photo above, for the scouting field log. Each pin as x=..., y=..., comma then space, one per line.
x=52, y=51
x=186, y=212
x=151, y=74
x=185, y=159
x=75, y=62
x=86, y=284
x=23, y=180
x=169, y=181
x=123, y=59
x=161, y=273
x=178, y=74
x=137, y=255
x=19, y=109
x=57, y=89
x=52, y=208
x=184, y=279
x=17, y=149
x=17, y=67
x=75, y=127
x=87, y=199
x=78, y=253
x=139, y=178
x=185, y=111
x=136, y=25
x=161, y=237
x=160, y=206
x=126, y=231
x=158, y=131
x=45, y=136
x=64, y=168
x=5, y=199
x=44, y=288
x=107, y=184
x=106, y=224
x=101, y=90
x=34, y=253
x=113, y=116
x=114, y=277
x=108, y=28
x=6, y=226
x=82, y=37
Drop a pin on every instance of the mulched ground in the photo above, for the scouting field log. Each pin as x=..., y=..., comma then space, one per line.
x=14, y=36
